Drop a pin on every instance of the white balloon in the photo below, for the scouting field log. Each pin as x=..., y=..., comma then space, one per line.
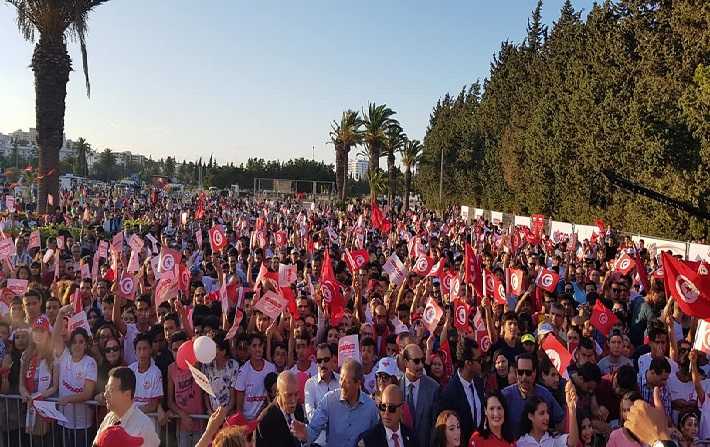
x=205, y=349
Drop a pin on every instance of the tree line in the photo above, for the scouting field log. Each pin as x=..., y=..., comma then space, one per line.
x=625, y=89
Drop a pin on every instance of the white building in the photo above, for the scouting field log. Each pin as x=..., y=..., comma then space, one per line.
x=357, y=169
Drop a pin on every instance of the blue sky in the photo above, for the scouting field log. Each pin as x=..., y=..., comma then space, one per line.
x=261, y=78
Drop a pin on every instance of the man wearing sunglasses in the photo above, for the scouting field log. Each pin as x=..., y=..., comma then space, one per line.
x=421, y=393
x=325, y=380
x=390, y=431
x=517, y=394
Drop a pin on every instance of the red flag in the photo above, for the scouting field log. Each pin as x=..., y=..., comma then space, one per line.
x=538, y=224
x=437, y=269
x=445, y=351
x=218, y=240
x=379, y=221
x=281, y=238
x=641, y=270
x=473, y=273
x=330, y=288
x=168, y=260
x=127, y=287
x=548, y=279
x=184, y=278
x=432, y=315
x=356, y=259
x=489, y=283
x=498, y=290
x=624, y=264
x=600, y=225
x=287, y=293
x=557, y=353
x=423, y=265
x=602, y=318
x=690, y=290
x=447, y=280
x=416, y=248
x=77, y=301
x=516, y=280
x=461, y=313
x=481, y=332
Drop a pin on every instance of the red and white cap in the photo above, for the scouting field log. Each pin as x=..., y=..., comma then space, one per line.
x=41, y=323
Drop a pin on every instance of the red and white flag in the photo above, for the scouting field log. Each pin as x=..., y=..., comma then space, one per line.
x=287, y=274
x=281, y=238
x=184, y=277
x=35, y=240
x=437, y=269
x=498, y=290
x=330, y=288
x=461, y=313
x=356, y=259
x=127, y=287
x=432, y=315
x=548, y=279
x=625, y=264
x=557, y=353
x=702, y=337
x=423, y=265
x=516, y=279
x=602, y=318
x=690, y=290
x=168, y=260
x=218, y=240
x=481, y=332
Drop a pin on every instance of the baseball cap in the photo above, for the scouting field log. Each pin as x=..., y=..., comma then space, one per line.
x=239, y=420
x=116, y=436
x=527, y=338
x=544, y=328
x=387, y=365
x=41, y=323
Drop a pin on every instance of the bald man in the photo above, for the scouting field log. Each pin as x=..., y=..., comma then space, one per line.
x=390, y=431
x=420, y=393
x=275, y=422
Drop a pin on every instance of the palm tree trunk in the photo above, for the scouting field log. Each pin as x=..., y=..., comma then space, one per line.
x=374, y=164
x=51, y=65
x=343, y=193
x=392, y=180
x=407, y=187
x=339, y=170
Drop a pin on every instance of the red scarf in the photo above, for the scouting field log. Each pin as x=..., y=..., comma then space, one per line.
x=30, y=383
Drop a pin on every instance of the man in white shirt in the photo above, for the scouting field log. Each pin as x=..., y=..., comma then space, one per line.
x=149, y=380
x=317, y=386
x=119, y=393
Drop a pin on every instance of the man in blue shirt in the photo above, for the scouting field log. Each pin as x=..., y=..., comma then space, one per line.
x=517, y=394
x=344, y=414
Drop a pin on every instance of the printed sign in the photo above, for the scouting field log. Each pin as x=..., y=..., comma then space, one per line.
x=287, y=274
x=7, y=248
x=103, y=249
x=79, y=320
x=395, y=269
x=348, y=348
x=10, y=203
x=18, y=286
x=136, y=243
x=35, y=240
x=271, y=304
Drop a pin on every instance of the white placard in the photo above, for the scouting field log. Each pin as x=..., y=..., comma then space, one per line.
x=348, y=348
x=522, y=220
x=395, y=269
x=477, y=212
x=287, y=274
x=585, y=231
x=464, y=213
x=496, y=217
x=656, y=246
x=561, y=227
x=697, y=252
x=79, y=320
x=49, y=410
x=271, y=304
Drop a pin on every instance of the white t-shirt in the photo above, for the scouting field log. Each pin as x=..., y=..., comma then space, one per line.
x=680, y=390
x=312, y=370
x=129, y=351
x=370, y=381
x=251, y=383
x=72, y=376
x=645, y=363
x=149, y=384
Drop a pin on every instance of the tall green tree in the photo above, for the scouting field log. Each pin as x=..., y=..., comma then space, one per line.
x=395, y=139
x=82, y=150
x=52, y=22
x=106, y=166
x=411, y=156
x=344, y=135
x=376, y=121
x=169, y=167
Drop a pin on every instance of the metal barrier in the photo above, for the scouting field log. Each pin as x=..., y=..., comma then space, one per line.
x=14, y=422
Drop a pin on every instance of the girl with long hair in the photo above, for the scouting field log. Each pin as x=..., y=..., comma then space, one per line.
x=495, y=430
x=536, y=423
x=447, y=430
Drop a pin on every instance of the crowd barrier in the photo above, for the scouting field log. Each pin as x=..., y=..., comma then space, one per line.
x=689, y=250
x=13, y=421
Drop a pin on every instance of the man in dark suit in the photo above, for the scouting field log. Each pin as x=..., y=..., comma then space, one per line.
x=274, y=427
x=420, y=393
x=464, y=393
x=390, y=431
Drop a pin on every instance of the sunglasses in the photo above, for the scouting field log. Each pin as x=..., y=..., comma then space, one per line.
x=390, y=408
x=323, y=360
x=108, y=350
x=525, y=372
x=417, y=360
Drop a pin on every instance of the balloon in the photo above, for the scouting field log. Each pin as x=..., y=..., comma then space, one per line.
x=205, y=349
x=186, y=355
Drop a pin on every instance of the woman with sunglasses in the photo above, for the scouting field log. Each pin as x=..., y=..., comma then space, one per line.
x=495, y=430
x=110, y=358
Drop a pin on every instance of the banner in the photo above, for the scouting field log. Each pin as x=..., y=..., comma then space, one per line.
x=560, y=228
x=477, y=212
x=585, y=231
x=656, y=246
x=522, y=220
x=465, y=214
x=698, y=252
x=496, y=217
x=79, y=320
x=287, y=274
x=348, y=348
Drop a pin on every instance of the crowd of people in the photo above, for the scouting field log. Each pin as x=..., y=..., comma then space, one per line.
x=468, y=333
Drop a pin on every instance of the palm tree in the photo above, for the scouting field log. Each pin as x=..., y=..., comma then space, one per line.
x=82, y=149
x=376, y=122
x=378, y=182
x=411, y=156
x=54, y=21
x=344, y=135
x=394, y=142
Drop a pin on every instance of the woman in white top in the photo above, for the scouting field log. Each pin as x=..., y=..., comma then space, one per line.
x=39, y=378
x=536, y=423
x=77, y=381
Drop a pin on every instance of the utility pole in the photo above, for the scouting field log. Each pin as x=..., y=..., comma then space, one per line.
x=314, y=152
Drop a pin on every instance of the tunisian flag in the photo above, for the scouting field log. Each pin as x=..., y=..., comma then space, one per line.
x=625, y=264
x=688, y=284
x=472, y=270
x=378, y=219
x=558, y=354
x=548, y=279
x=330, y=288
x=602, y=318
